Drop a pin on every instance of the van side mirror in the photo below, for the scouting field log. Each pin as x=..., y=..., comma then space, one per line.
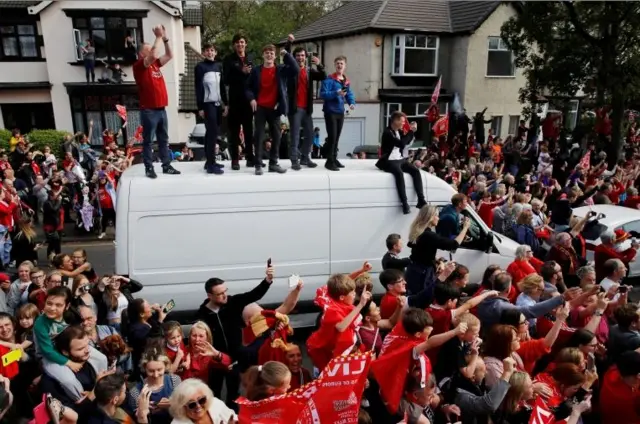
x=489, y=242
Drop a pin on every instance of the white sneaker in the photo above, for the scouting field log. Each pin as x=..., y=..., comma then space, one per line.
x=101, y=236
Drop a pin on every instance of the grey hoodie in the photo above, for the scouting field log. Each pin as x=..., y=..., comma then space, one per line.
x=490, y=310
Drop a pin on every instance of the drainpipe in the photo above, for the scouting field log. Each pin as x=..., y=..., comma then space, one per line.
x=382, y=64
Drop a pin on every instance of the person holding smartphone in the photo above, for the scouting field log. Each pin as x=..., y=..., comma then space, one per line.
x=336, y=93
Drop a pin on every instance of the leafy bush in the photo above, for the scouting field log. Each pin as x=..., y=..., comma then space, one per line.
x=5, y=135
x=51, y=138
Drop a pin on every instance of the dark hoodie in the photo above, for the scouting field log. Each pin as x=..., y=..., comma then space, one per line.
x=226, y=323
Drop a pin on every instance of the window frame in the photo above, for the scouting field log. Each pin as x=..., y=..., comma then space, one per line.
x=78, y=39
x=414, y=115
x=501, y=48
x=16, y=35
x=401, y=39
x=497, y=130
x=517, y=119
x=82, y=108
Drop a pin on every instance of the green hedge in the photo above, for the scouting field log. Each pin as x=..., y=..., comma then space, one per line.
x=39, y=139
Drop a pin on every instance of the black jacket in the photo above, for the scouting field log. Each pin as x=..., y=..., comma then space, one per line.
x=391, y=261
x=126, y=289
x=51, y=212
x=285, y=71
x=317, y=74
x=210, y=86
x=236, y=79
x=389, y=141
x=226, y=324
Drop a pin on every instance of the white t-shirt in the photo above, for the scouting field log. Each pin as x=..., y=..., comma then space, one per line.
x=396, y=154
x=117, y=314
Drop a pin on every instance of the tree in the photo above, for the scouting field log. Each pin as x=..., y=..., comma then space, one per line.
x=262, y=22
x=567, y=46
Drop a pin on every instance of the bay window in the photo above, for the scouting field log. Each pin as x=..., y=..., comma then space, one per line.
x=108, y=34
x=415, y=55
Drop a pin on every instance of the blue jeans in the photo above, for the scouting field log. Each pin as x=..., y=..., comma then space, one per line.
x=154, y=121
x=5, y=245
x=297, y=120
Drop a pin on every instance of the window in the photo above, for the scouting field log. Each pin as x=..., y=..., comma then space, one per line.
x=496, y=125
x=500, y=59
x=108, y=34
x=19, y=42
x=101, y=109
x=514, y=123
x=571, y=118
x=415, y=113
x=415, y=54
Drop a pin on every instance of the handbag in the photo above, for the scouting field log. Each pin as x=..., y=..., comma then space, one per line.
x=41, y=411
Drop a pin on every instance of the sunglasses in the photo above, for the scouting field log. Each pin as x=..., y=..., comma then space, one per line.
x=199, y=402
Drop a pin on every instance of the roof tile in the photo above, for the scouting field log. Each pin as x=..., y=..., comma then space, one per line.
x=17, y=4
x=350, y=17
x=187, y=80
x=424, y=15
x=192, y=16
x=468, y=15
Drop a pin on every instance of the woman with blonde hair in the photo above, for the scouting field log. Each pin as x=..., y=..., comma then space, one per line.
x=206, y=361
x=531, y=288
x=193, y=400
x=424, y=243
x=24, y=244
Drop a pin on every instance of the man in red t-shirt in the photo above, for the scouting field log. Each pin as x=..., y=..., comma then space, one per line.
x=300, y=92
x=619, y=395
x=266, y=91
x=153, y=101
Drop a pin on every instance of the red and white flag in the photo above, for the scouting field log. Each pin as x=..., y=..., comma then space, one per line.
x=441, y=127
x=122, y=112
x=334, y=397
x=436, y=92
x=585, y=162
x=541, y=413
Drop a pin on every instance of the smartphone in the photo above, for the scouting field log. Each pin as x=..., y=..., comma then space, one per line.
x=169, y=306
x=268, y=262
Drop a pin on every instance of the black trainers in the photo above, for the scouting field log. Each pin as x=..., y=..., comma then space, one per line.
x=421, y=203
x=331, y=166
x=308, y=163
x=276, y=168
x=170, y=170
x=406, y=209
x=150, y=173
x=235, y=166
x=258, y=170
x=295, y=165
x=338, y=164
x=213, y=169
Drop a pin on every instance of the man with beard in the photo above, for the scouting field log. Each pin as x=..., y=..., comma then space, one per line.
x=237, y=67
x=73, y=343
x=300, y=93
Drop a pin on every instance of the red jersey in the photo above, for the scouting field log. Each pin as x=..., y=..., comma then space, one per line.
x=618, y=399
x=299, y=379
x=303, y=88
x=152, y=89
x=388, y=305
x=106, y=202
x=268, y=95
x=442, y=322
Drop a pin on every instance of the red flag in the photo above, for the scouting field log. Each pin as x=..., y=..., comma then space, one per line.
x=585, y=162
x=441, y=127
x=541, y=413
x=138, y=135
x=122, y=111
x=334, y=397
x=436, y=92
x=395, y=363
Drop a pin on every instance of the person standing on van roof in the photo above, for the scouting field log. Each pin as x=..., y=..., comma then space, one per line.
x=267, y=94
x=212, y=98
x=237, y=67
x=223, y=314
x=424, y=243
x=336, y=92
x=395, y=138
x=153, y=101
x=300, y=92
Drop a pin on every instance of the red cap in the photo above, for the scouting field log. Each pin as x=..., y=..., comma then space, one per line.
x=563, y=196
x=4, y=277
x=621, y=235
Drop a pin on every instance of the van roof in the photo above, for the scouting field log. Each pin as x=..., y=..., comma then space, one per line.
x=360, y=172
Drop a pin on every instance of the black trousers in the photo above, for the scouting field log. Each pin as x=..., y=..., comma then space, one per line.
x=211, y=135
x=54, y=242
x=398, y=168
x=108, y=215
x=232, y=377
x=240, y=115
x=272, y=118
x=333, y=122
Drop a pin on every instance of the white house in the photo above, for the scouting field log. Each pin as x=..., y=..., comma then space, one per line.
x=42, y=77
x=397, y=50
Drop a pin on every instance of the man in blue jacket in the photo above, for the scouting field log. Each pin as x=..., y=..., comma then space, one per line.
x=266, y=92
x=449, y=224
x=211, y=98
x=336, y=92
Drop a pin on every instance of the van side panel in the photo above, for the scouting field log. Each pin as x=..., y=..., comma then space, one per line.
x=122, y=229
x=178, y=240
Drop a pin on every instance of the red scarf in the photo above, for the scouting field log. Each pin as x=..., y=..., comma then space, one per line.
x=344, y=82
x=395, y=363
x=564, y=254
x=326, y=342
x=274, y=348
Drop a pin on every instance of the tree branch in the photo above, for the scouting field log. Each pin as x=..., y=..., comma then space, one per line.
x=573, y=17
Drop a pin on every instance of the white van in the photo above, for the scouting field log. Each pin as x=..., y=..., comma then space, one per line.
x=176, y=232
